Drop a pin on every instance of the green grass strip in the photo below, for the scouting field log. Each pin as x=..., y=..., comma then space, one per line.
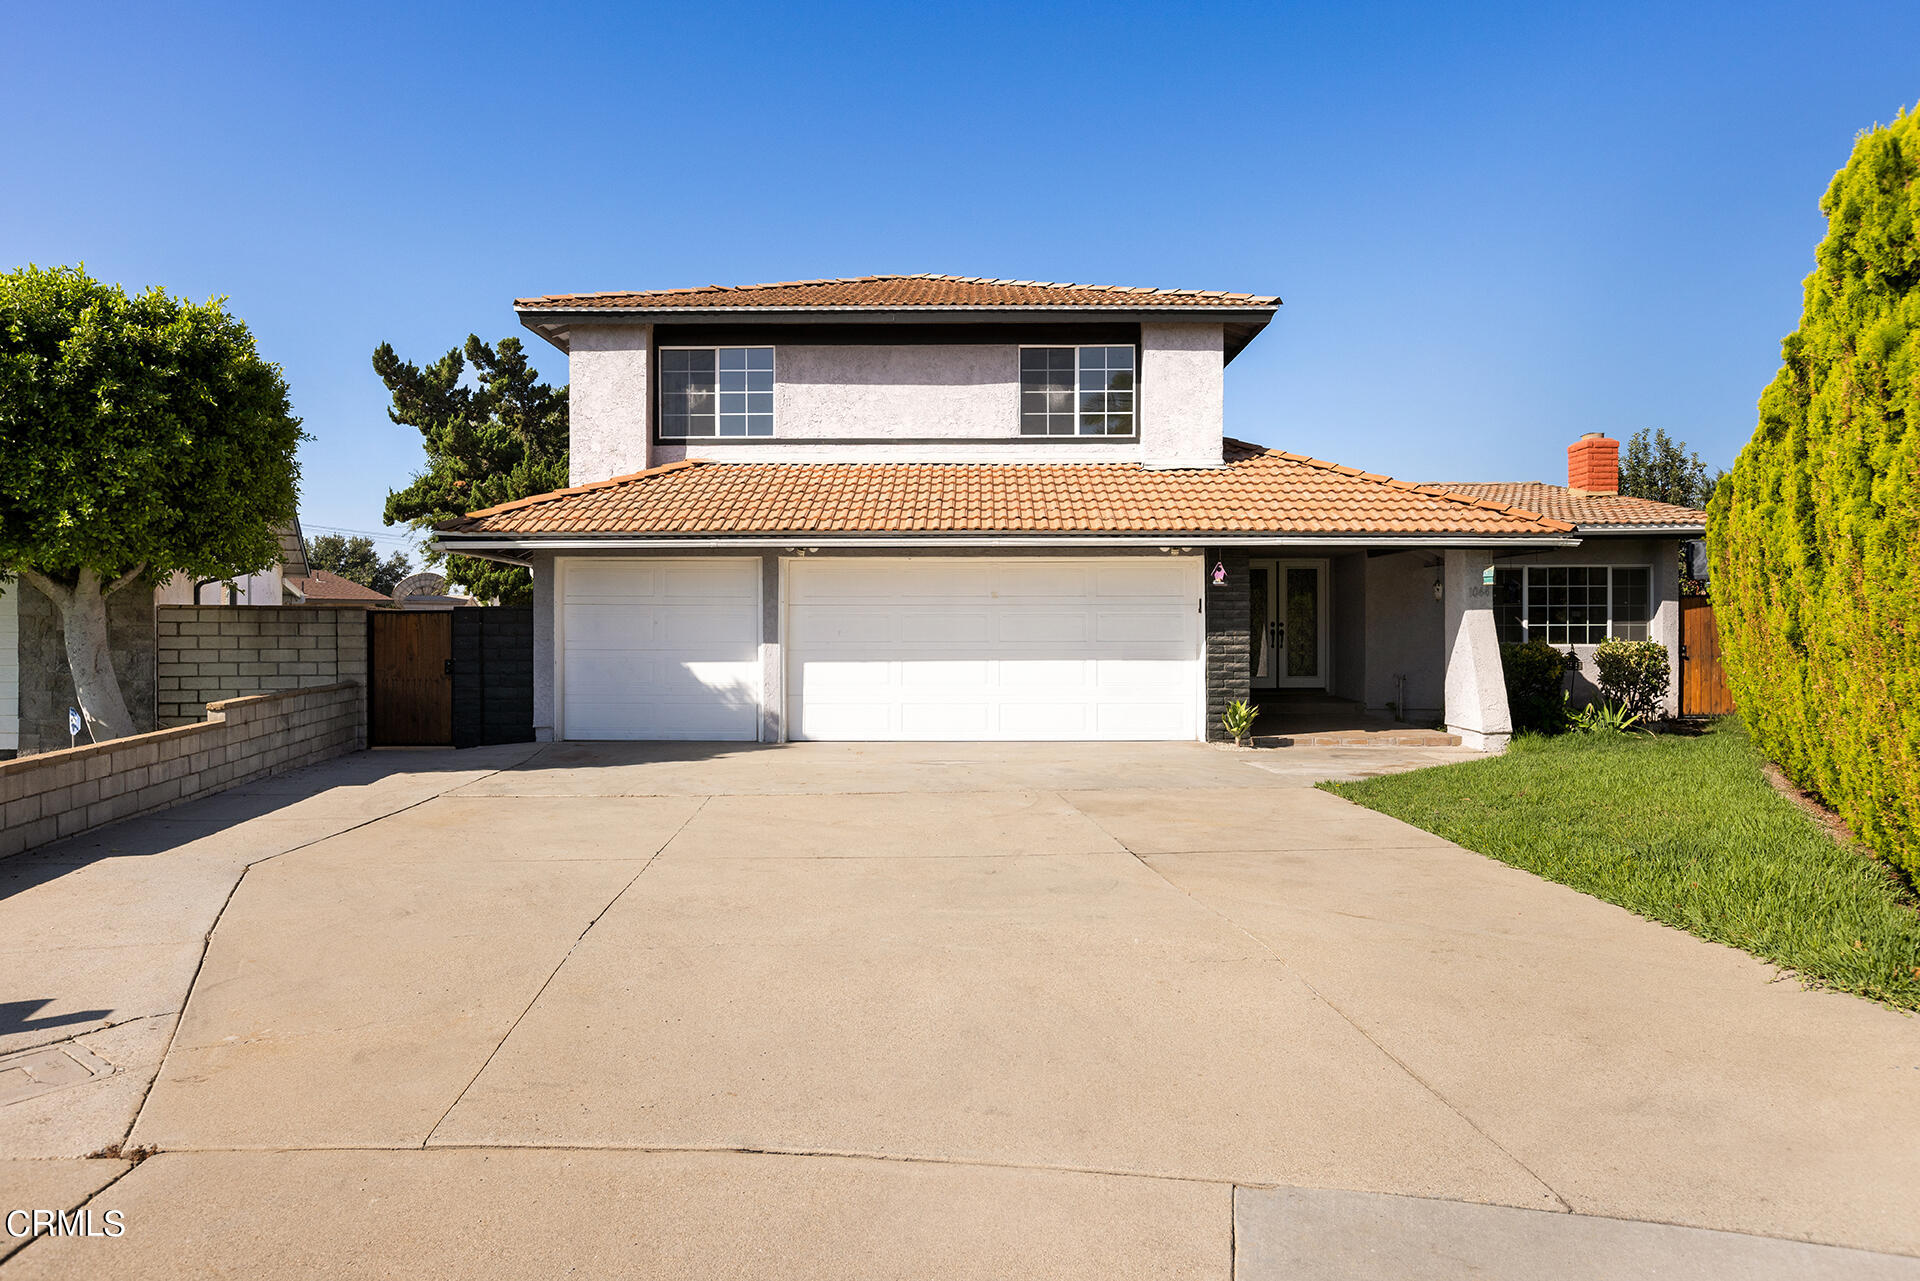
x=1684, y=830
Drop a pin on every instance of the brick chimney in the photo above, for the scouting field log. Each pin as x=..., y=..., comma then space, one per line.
x=1593, y=464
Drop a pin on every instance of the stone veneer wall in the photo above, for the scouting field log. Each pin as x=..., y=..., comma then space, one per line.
x=1229, y=637
x=59, y=794
x=46, y=682
x=206, y=653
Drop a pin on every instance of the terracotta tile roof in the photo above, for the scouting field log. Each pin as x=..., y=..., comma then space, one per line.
x=1584, y=510
x=895, y=292
x=1259, y=491
x=322, y=585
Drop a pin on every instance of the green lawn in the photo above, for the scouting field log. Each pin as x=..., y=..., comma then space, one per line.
x=1682, y=830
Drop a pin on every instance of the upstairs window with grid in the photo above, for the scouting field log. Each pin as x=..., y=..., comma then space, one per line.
x=716, y=392
x=1572, y=604
x=1076, y=391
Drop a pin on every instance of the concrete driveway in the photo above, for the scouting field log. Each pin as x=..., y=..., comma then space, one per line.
x=1091, y=1010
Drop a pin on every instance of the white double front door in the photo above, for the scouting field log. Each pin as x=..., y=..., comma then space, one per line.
x=1288, y=613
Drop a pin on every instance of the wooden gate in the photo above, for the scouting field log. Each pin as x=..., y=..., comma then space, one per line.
x=410, y=678
x=1703, y=681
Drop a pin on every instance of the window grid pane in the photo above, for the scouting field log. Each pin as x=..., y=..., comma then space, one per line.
x=1106, y=391
x=1632, y=603
x=1046, y=391
x=716, y=391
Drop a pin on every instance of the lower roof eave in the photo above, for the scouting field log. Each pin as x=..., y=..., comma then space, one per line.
x=491, y=545
x=1641, y=531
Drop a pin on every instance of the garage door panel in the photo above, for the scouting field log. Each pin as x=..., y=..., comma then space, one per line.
x=852, y=722
x=727, y=580
x=1153, y=580
x=839, y=628
x=1168, y=633
x=730, y=635
x=1022, y=626
x=1054, y=649
x=964, y=675
x=1029, y=674
x=1144, y=720
x=945, y=722
x=946, y=628
x=655, y=649
x=1044, y=580
x=1042, y=721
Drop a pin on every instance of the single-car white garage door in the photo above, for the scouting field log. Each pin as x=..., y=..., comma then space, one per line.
x=659, y=648
x=994, y=649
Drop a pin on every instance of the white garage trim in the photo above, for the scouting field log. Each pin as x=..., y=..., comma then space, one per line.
x=653, y=619
x=994, y=648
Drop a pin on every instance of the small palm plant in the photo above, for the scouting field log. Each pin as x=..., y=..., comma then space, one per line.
x=1238, y=720
x=1608, y=718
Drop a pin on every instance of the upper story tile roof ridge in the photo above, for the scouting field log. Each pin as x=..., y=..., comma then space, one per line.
x=921, y=289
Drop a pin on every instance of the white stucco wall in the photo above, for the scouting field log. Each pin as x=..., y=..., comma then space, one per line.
x=1405, y=635
x=9, y=666
x=926, y=402
x=1182, y=394
x=607, y=402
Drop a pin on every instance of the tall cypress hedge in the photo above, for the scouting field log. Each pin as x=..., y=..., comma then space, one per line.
x=1815, y=536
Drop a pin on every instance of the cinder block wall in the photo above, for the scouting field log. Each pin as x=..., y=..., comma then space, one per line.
x=206, y=653
x=59, y=794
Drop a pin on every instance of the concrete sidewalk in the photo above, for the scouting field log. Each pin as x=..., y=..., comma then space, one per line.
x=863, y=1010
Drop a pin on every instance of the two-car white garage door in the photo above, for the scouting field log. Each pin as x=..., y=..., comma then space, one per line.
x=927, y=648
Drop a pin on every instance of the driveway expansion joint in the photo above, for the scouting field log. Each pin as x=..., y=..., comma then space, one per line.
x=560, y=965
x=1274, y=954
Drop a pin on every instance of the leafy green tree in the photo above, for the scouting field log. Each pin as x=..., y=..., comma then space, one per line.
x=354, y=558
x=140, y=436
x=499, y=437
x=1815, y=536
x=1658, y=467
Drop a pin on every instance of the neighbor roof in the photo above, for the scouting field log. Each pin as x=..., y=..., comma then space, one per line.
x=894, y=293
x=1259, y=491
x=323, y=585
x=1587, y=511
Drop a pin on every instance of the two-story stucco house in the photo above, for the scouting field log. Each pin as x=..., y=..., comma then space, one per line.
x=936, y=507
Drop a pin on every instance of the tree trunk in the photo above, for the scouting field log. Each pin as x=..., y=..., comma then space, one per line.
x=83, y=621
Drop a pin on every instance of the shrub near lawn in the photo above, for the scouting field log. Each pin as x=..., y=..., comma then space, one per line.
x=1681, y=830
x=1815, y=535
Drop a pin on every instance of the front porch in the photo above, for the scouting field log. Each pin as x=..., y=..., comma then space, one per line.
x=1314, y=718
x=1345, y=646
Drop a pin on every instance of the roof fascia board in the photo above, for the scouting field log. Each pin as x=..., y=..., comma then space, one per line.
x=454, y=543
x=555, y=323
x=1632, y=531
x=894, y=315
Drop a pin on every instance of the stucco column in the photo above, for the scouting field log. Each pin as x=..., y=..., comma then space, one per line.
x=543, y=607
x=1476, y=686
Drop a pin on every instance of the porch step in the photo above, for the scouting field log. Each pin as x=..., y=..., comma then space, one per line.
x=1398, y=737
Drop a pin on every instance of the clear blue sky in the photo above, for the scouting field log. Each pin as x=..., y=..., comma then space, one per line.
x=1494, y=227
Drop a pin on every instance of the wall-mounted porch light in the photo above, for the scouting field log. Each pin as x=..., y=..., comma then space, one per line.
x=1219, y=573
x=1439, y=589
